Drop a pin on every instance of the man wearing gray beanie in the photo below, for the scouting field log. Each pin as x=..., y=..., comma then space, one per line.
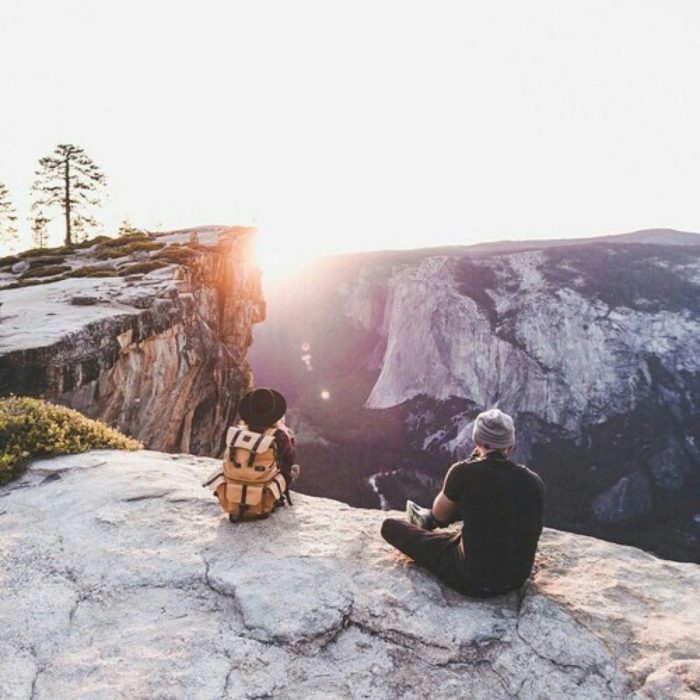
x=501, y=505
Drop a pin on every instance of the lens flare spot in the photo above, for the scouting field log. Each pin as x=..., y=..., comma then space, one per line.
x=325, y=395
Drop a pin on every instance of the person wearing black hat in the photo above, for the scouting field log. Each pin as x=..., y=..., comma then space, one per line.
x=262, y=409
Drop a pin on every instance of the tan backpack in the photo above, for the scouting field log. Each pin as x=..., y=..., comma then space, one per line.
x=251, y=484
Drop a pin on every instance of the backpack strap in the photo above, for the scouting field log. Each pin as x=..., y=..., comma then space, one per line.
x=232, y=435
x=254, y=449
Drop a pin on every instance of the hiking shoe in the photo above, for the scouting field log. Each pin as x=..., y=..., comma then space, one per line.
x=423, y=517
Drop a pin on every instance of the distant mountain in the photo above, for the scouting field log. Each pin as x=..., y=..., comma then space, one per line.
x=593, y=345
x=655, y=236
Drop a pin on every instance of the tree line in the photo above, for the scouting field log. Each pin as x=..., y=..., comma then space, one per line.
x=67, y=184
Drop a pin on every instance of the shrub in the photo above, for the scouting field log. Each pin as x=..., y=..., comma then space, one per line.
x=46, y=271
x=91, y=242
x=127, y=238
x=142, y=268
x=92, y=271
x=32, y=428
x=45, y=260
x=36, y=252
x=126, y=249
x=176, y=253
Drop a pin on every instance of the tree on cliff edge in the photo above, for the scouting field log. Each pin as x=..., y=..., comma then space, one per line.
x=8, y=217
x=39, y=230
x=69, y=180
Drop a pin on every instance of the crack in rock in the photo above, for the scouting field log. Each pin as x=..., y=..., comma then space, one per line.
x=587, y=671
x=37, y=672
x=146, y=497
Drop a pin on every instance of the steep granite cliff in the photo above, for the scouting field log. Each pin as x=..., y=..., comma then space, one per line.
x=155, y=344
x=121, y=578
x=593, y=346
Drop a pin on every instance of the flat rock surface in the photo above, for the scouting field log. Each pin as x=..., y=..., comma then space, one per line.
x=120, y=578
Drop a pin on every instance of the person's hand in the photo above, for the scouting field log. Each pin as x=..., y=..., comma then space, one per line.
x=423, y=517
x=295, y=472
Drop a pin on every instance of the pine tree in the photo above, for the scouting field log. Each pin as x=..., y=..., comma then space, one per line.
x=79, y=229
x=40, y=234
x=69, y=179
x=8, y=217
x=127, y=228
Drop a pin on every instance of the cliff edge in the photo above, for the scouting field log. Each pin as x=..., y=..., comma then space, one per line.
x=121, y=578
x=148, y=333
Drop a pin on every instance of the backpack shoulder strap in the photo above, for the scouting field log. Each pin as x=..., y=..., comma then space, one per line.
x=232, y=434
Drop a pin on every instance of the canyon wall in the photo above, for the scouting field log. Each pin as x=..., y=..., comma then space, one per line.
x=593, y=346
x=160, y=354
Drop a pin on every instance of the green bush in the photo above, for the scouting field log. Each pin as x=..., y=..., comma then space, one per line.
x=46, y=271
x=142, y=268
x=32, y=428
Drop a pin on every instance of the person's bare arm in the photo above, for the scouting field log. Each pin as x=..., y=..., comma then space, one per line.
x=445, y=511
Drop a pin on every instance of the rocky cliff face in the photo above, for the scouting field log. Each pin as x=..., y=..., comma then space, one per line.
x=156, y=347
x=594, y=347
x=121, y=578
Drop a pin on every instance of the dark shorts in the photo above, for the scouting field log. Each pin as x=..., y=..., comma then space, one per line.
x=438, y=552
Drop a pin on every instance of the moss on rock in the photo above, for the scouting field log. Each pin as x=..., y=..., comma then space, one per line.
x=92, y=271
x=46, y=271
x=180, y=254
x=127, y=249
x=91, y=242
x=127, y=238
x=142, y=268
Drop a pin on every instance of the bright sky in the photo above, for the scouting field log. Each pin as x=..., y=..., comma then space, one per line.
x=341, y=126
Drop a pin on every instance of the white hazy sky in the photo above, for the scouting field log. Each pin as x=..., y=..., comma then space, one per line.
x=355, y=125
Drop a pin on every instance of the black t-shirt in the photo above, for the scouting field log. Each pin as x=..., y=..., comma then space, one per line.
x=502, y=506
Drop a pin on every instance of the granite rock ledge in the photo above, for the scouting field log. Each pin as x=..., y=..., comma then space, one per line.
x=155, y=345
x=121, y=578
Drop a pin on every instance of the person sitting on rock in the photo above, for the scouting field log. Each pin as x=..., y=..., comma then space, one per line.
x=259, y=463
x=264, y=409
x=501, y=505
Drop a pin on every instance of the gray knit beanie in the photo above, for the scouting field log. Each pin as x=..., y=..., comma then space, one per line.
x=494, y=429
